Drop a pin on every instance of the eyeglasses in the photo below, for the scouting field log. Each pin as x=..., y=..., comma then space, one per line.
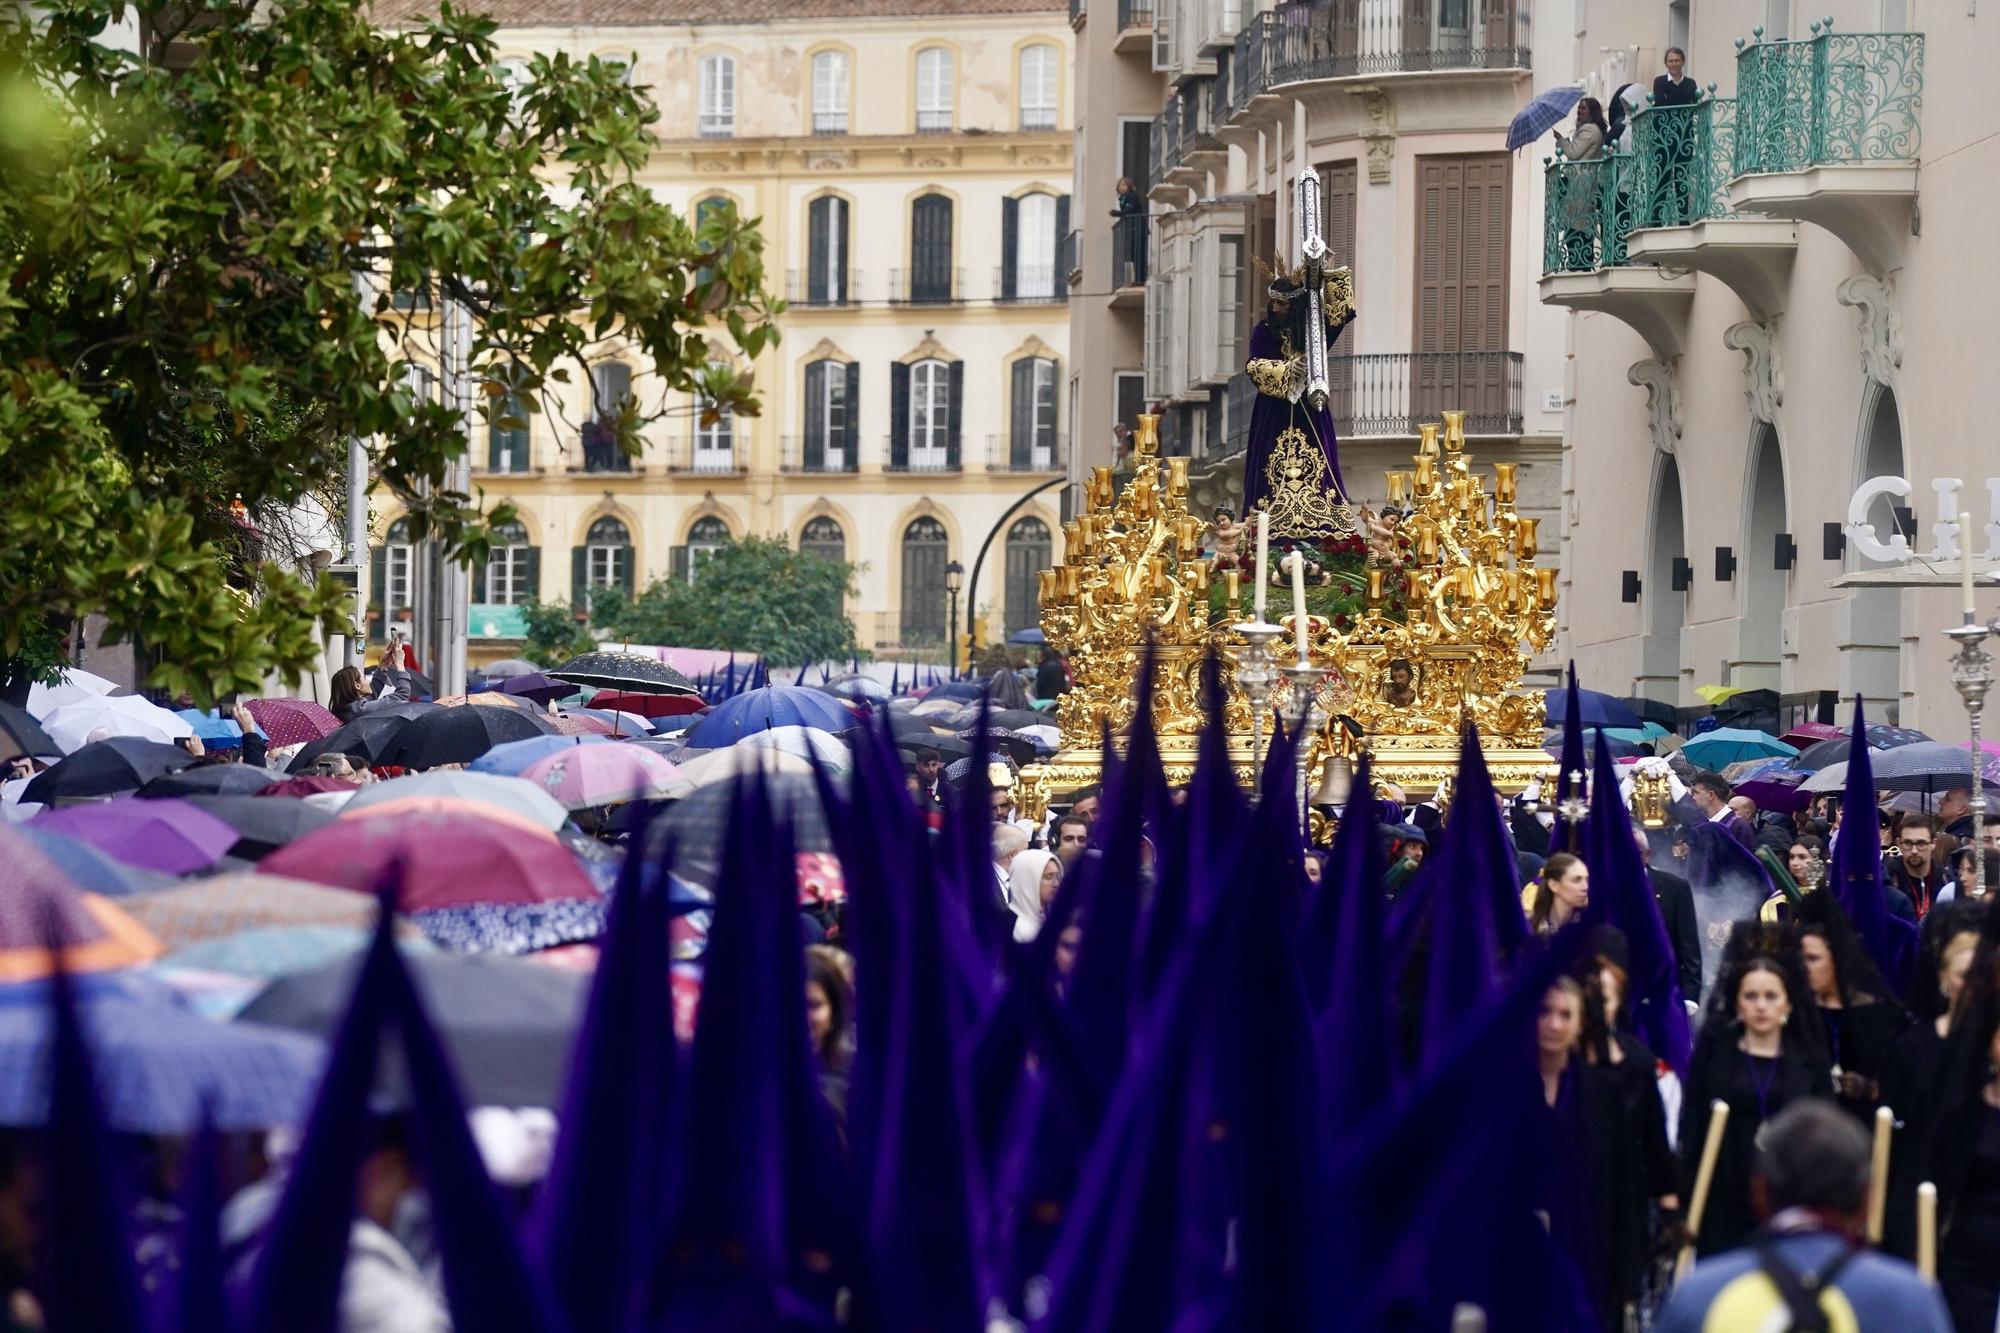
x=1913, y=844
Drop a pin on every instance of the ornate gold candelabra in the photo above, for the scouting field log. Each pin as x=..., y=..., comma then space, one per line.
x=1478, y=607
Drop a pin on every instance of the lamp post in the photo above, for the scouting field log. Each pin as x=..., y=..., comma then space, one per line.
x=954, y=574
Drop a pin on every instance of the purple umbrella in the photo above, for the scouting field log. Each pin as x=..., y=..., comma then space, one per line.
x=538, y=687
x=170, y=835
x=1777, y=788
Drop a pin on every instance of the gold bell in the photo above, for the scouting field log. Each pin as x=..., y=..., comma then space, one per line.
x=1336, y=781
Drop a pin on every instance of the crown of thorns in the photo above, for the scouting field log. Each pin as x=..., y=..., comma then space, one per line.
x=1286, y=283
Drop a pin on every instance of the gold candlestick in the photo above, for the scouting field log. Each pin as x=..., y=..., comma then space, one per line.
x=1398, y=481
x=1524, y=538
x=1454, y=431
x=1375, y=589
x=1545, y=587
x=1232, y=588
x=1503, y=482
x=1427, y=440
x=1426, y=475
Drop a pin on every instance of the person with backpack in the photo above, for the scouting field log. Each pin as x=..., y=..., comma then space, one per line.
x=1806, y=1269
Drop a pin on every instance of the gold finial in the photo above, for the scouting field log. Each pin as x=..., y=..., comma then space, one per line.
x=1427, y=439
x=1146, y=439
x=1454, y=431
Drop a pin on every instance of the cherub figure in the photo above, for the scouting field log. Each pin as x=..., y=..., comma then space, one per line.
x=1226, y=537
x=1380, y=532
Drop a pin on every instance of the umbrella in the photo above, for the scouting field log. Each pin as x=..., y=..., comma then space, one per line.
x=224, y=905
x=588, y=775
x=772, y=706
x=169, y=835
x=1033, y=634
x=103, y=768
x=1807, y=733
x=856, y=686
x=575, y=728
x=1715, y=694
x=1726, y=745
x=511, y=794
x=534, y=685
x=74, y=684
x=491, y=699
x=447, y=859
x=159, y=1068
x=507, y=667
x=807, y=743
x=41, y=903
x=1776, y=788
x=947, y=747
x=939, y=708
x=211, y=780
x=101, y=717
x=292, y=721
x=281, y=951
x=1832, y=778
x=367, y=739
x=1020, y=749
x=695, y=825
x=1880, y=737
x=211, y=728
x=20, y=734
x=716, y=767
x=1043, y=735
x=625, y=671
x=1927, y=766
x=92, y=870
x=1013, y=719
x=461, y=735
x=263, y=826
x=648, y=705
x=507, y=1024
x=510, y=758
x=1596, y=709
x=617, y=723
x=1542, y=114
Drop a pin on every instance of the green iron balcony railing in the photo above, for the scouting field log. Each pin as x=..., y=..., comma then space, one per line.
x=1588, y=210
x=1681, y=162
x=1831, y=99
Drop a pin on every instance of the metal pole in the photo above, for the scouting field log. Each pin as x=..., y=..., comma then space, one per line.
x=1972, y=673
x=951, y=636
x=454, y=587
x=357, y=547
x=972, y=583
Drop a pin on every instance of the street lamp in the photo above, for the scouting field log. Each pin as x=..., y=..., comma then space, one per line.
x=954, y=575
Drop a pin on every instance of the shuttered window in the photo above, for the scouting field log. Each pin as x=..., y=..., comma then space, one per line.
x=1033, y=426
x=829, y=80
x=510, y=567
x=826, y=251
x=1040, y=86
x=1029, y=552
x=718, y=97
x=708, y=535
x=607, y=551
x=925, y=552
x=935, y=77
x=930, y=248
x=1461, y=277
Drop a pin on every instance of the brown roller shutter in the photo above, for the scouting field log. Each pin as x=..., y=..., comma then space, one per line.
x=1461, y=275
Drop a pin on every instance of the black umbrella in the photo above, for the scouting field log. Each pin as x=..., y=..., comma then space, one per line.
x=1021, y=749
x=461, y=735
x=1823, y=754
x=367, y=738
x=947, y=747
x=105, y=768
x=507, y=1024
x=21, y=735
x=624, y=671
x=909, y=724
x=1927, y=766
x=212, y=780
x=1015, y=718
x=697, y=822
x=542, y=689
x=263, y=825
x=1653, y=710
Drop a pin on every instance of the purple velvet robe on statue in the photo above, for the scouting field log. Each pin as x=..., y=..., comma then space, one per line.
x=1271, y=416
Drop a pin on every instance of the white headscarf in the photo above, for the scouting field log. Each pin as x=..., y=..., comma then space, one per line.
x=1024, y=891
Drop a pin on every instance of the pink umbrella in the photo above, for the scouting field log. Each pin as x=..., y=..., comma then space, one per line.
x=1805, y=733
x=170, y=835
x=447, y=860
x=587, y=775
x=292, y=721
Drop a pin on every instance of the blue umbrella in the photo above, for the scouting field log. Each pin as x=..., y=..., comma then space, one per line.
x=1033, y=634
x=212, y=729
x=762, y=709
x=93, y=871
x=1594, y=710
x=510, y=757
x=1542, y=114
x=1724, y=746
x=158, y=1065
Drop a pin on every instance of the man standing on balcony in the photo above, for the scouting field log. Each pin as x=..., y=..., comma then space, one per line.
x=1283, y=412
x=1675, y=88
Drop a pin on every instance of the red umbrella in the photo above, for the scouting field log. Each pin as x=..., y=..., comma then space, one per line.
x=648, y=705
x=292, y=721
x=448, y=860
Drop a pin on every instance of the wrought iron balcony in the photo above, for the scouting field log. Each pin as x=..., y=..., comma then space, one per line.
x=1069, y=256
x=1135, y=14
x=598, y=451
x=930, y=287
x=1337, y=39
x=834, y=287
x=822, y=454
x=1030, y=284
x=1250, y=64
x=1129, y=239
x=1831, y=99
x=1681, y=158
x=1027, y=451
x=708, y=453
x=1588, y=209
x=938, y=455
x=1388, y=395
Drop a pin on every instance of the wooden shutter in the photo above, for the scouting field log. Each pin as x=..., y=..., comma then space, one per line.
x=899, y=416
x=1346, y=21
x=1416, y=33
x=850, y=427
x=1062, y=230
x=579, y=577
x=930, y=249
x=818, y=219
x=814, y=456
x=533, y=582
x=955, y=415
x=841, y=218
x=628, y=568
x=1500, y=25
x=479, y=580
x=1022, y=417
x=376, y=612
x=677, y=564
x=1010, y=246
x=1461, y=324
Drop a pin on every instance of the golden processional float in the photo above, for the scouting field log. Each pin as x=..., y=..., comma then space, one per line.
x=1453, y=608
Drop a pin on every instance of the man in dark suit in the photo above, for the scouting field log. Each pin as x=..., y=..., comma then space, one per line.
x=1709, y=793
x=1675, y=88
x=1676, y=901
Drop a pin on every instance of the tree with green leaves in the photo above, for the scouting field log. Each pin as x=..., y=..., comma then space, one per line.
x=201, y=245
x=756, y=595
x=554, y=634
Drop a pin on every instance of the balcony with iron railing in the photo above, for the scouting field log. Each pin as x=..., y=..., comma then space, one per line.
x=926, y=287
x=1130, y=238
x=707, y=453
x=1135, y=27
x=1165, y=138
x=827, y=123
x=1069, y=256
x=834, y=287
x=818, y=454
x=1388, y=395
x=1027, y=451
x=1344, y=39
x=1030, y=284
x=597, y=450
x=916, y=454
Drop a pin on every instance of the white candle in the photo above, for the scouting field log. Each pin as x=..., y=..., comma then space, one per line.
x=1263, y=557
x=1965, y=566
x=1299, y=604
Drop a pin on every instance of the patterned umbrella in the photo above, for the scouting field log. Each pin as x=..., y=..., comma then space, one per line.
x=447, y=859
x=511, y=794
x=91, y=870
x=1927, y=766
x=590, y=775
x=102, y=717
x=102, y=768
x=625, y=671
x=292, y=721
x=224, y=905
x=159, y=1068
x=1542, y=114
x=577, y=727
x=40, y=904
x=280, y=951
x=170, y=835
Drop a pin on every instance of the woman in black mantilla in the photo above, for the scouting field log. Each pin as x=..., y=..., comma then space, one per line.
x=1277, y=368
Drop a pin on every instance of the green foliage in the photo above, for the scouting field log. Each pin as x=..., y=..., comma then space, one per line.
x=1336, y=583
x=757, y=595
x=181, y=321
x=554, y=636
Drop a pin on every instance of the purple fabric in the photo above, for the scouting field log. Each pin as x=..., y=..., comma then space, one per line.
x=1856, y=873
x=1269, y=417
x=171, y=835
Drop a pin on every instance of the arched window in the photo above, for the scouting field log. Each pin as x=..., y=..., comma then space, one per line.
x=930, y=416
x=832, y=432
x=1028, y=553
x=514, y=77
x=826, y=251
x=513, y=569
x=507, y=439
x=930, y=248
x=829, y=91
x=717, y=109
x=934, y=89
x=925, y=551
x=1041, y=86
x=822, y=537
x=610, y=387
x=607, y=556
x=708, y=535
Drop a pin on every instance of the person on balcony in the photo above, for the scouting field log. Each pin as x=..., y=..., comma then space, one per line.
x=1675, y=88
x=1582, y=185
x=1128, y=239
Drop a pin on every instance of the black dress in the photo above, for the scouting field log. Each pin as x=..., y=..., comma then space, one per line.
x=1969, y=1246
x=1910, y=1090
x=1859, y=1039
x=1755, y=1088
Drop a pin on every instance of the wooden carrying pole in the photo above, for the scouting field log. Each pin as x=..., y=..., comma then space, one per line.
x=1878, y=1173
x=1927, y=1230
x=1704, y=1175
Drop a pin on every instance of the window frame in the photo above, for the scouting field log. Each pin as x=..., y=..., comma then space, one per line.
x=936, y=106
x=930, y=420
x=715, y=96
x=507, y=566
x=702, y=543
x=616, y=555
x=833, y=118
x=1041, y=237
x=1045, y=113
